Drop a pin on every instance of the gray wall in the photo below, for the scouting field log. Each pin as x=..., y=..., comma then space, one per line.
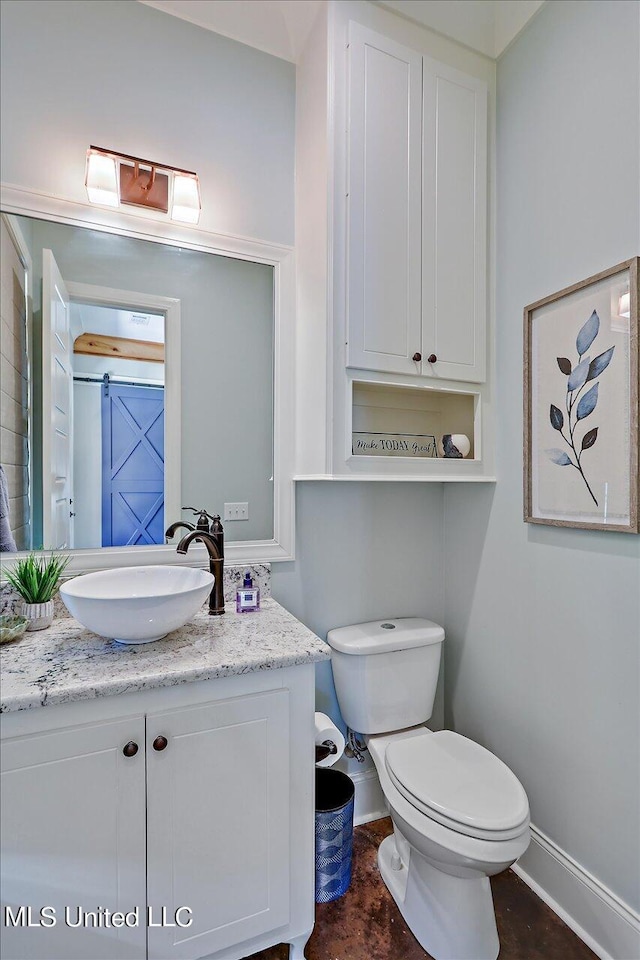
x=543, y=623
x=364, y=551
x=122, y=75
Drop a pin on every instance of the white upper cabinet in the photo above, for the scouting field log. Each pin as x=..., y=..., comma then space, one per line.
x=454, y=223
x=416, y=213
x=393, y=337
x=384, y=189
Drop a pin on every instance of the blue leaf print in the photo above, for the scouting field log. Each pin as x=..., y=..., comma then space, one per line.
x=588, y=403
x=559, y=457
x=578, y=375
x=555, y=415
x=588, y=333
x=600, y=363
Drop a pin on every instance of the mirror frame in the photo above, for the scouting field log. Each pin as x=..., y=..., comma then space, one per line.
x=138, y=226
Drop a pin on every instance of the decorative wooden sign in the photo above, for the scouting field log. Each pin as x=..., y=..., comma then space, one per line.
x=393, y=445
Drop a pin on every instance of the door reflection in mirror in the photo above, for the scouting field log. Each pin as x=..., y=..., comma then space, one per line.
x=118, y=470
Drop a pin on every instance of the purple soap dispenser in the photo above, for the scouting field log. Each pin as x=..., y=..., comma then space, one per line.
x=247, y=596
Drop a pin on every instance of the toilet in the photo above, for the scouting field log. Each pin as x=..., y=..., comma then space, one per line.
x=459, y=813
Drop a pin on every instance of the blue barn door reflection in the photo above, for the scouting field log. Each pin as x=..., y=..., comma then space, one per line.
x=132, y=465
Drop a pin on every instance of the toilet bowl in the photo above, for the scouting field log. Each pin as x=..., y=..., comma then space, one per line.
x=438, y=875
x=459, y=814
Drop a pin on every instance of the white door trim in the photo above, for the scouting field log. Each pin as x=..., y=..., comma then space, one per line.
x=170, y=307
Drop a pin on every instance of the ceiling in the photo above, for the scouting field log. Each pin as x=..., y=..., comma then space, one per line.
x=487, y=26
x=281, y=27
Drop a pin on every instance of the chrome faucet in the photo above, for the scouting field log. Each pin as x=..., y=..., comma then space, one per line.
x=214, y=543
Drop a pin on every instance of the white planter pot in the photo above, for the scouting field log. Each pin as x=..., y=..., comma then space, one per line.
x=39, y=615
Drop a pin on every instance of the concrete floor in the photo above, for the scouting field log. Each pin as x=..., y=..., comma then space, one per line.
x=366, y=924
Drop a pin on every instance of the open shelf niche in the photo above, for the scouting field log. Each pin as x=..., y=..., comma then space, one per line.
x=398, y=421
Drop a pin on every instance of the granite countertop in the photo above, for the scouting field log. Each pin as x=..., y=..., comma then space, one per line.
x=66, y=662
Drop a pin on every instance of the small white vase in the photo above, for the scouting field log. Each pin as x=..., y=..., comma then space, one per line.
x=39, y=615
x=454, y=445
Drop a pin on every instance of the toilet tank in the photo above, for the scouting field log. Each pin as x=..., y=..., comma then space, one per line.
x=385, y=672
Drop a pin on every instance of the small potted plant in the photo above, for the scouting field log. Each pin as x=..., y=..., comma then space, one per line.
x=36, y=579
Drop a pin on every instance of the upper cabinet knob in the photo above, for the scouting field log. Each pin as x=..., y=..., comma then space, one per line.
x=417, y=357
x=432, y=358
x=160, y=743
x=130, y=749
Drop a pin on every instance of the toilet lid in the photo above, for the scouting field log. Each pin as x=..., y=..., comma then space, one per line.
x=460, y=784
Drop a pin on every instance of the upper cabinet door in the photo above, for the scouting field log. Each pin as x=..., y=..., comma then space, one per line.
x=454, y=240
x=384, y=190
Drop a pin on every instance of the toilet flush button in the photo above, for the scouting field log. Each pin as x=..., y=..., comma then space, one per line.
x=388, y=626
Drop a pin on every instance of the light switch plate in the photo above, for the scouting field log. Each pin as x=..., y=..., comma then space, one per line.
x=236, y=511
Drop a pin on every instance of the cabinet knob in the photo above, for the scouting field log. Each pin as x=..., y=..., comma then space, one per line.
x=130, y=749
x=417, y=357
x=160, y=743
x=432, y=358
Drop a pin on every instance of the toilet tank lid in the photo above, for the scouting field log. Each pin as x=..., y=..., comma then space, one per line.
x=384, y=636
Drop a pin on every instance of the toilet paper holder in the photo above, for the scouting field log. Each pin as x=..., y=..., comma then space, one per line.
x=325, y=749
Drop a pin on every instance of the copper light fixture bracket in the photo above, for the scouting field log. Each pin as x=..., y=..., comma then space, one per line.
x=144, y=188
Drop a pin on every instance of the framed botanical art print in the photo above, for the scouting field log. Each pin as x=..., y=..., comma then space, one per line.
x=581, y=362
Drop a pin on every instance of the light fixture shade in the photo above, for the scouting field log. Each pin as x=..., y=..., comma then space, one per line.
x=185, y=205
x=101, y=179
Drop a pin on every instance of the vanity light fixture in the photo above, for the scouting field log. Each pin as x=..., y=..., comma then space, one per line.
x=115, y=178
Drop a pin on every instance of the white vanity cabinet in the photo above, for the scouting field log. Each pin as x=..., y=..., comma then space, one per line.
x=218, y=822
x=73, y=837
x=190, y=805
x=416, y=212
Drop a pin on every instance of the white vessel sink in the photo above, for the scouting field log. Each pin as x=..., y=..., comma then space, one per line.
x=136, y=604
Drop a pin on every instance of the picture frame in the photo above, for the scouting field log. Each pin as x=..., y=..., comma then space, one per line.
x=581, y=404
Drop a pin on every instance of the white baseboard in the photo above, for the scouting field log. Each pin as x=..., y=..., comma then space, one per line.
x=370, y=803
x=601, y=919
x=606, y=924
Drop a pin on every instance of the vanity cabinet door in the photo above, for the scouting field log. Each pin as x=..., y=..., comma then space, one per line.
x=218, y=824
x=73, y=841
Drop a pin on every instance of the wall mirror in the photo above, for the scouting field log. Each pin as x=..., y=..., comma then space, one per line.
x=143, y=374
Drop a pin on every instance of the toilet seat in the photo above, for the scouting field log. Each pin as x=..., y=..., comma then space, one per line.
x=459, y=784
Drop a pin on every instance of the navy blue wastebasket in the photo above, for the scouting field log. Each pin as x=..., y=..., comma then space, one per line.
x=334, y=833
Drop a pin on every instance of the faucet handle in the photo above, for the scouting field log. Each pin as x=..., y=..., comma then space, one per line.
x=217, y=531
x=201, y=523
